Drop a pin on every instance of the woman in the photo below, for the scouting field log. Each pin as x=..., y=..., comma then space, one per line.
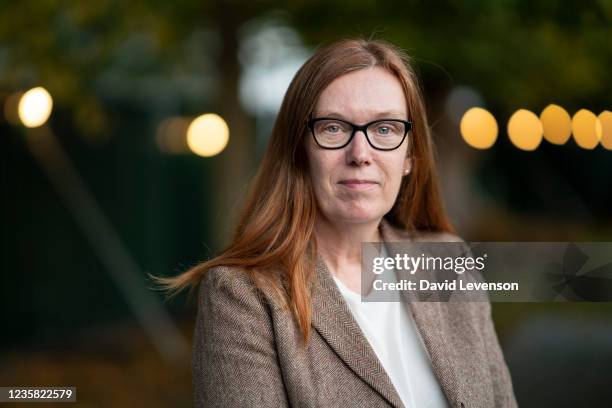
x=350, y=160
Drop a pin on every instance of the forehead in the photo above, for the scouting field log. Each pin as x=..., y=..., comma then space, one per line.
x=363, y=94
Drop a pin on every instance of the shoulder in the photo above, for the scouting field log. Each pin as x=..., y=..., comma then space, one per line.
x=435, y=236
x=231, y=286
x=434, y=241
x=226, y=276
x=397, y=234
x=441, y=242
x=226, y=285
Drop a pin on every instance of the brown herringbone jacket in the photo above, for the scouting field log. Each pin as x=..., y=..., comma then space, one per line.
x=248, y=353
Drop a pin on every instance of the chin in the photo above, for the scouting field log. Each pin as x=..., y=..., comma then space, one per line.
x=354, y=212
x=358, y=216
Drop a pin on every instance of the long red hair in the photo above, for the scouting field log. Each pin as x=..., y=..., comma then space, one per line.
x=274, y=240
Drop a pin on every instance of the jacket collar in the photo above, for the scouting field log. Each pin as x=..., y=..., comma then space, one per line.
x=334, y=321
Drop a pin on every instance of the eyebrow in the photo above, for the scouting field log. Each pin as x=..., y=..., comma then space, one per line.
x=379, y=115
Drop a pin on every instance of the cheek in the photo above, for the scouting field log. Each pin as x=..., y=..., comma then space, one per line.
x=394, y=167
x=319, y=182
x=322, y=166
x=394, y=172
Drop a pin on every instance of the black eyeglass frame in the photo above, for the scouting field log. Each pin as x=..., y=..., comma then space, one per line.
x=355, y=128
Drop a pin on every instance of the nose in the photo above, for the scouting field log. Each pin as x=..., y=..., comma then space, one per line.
x=359, y=151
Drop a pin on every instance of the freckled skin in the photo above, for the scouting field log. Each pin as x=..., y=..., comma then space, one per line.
x=359, y=97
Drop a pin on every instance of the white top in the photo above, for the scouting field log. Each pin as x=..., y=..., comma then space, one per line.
x=392, y=333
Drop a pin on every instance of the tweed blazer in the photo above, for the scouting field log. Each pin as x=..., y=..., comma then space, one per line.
x=247, y=352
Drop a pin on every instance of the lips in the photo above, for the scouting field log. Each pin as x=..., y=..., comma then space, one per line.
x=357, y=182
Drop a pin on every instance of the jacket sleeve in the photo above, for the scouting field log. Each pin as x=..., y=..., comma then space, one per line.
x=234, y=358
x=500, y=375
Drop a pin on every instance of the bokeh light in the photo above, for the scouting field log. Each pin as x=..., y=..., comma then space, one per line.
x=525, y=130
x=207, y=135
x=557, y=124
x=270, y=54
x=479, y=128
x=35, y=107
x=605, y=118
x=586, y=128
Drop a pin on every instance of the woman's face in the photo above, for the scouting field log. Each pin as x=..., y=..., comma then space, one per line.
x=358, y=184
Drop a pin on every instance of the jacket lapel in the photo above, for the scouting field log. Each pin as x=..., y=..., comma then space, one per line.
x=334, y=322
x=427, y=317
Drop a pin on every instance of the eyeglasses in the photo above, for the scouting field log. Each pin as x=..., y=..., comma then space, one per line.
x=382, y=134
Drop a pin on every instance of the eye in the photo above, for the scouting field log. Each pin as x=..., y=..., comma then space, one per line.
x=331, y=128
x=387, y=129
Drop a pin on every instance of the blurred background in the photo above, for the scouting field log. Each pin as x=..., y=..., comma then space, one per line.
x=131, y=130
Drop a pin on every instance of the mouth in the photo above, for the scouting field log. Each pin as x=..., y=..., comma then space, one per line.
x=358, y=184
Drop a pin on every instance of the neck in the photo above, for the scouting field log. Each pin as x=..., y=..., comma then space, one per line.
x=340, y=243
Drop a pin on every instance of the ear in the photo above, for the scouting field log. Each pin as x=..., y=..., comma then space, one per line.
x=407, y=167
